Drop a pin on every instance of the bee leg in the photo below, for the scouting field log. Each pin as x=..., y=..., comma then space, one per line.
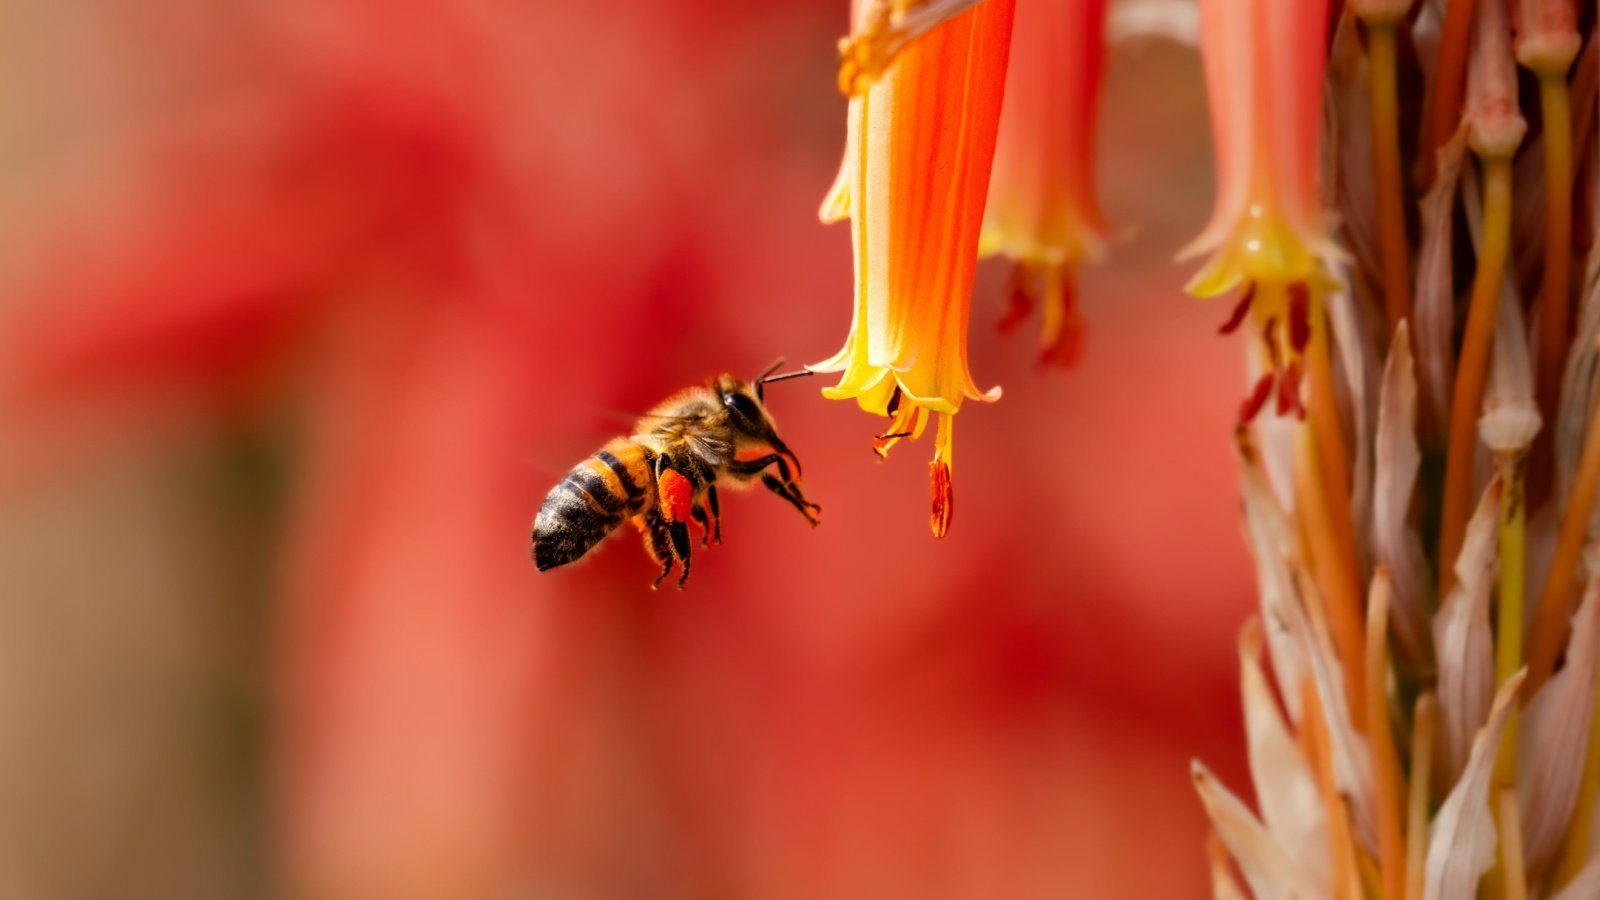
x=716, y=514
x=680, y=548
x=791, y=492
x=699, y=514
x=658, y=543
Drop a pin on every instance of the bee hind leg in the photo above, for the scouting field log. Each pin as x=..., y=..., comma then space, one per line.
x=680, y=548
x=791, y=492
x=714, y=514
x=700, y=519
x=658, y=543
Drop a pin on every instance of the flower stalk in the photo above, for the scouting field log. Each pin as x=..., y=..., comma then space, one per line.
x=1383, y=20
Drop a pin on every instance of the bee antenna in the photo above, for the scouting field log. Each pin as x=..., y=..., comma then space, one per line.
x=786, y=376
x=769, y=370
x=767, y=378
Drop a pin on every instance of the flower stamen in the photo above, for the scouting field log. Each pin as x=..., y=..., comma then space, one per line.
x=944, y=500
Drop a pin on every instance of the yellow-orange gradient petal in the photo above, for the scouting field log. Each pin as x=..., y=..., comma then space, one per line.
x=914, y=184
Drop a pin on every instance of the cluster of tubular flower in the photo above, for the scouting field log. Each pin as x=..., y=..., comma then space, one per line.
x=925, y=81
x=1419, y=448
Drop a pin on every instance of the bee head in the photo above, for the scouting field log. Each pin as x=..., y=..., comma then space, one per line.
x=743, y=403
x=747, y=411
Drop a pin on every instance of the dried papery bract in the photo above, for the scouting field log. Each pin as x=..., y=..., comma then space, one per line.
x=1488, y=792
x=1042, y=211
x=916, y=172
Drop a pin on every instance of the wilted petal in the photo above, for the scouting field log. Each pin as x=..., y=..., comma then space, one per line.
x=1461, y=841
x=1357, y=364
x=1261, y=859
x=1394, y=543
x=1347, y=152
x=1580, y=381
x=1291, y=804
x=1462, y=638
x=1554, y=737
x=1352, y=762
x=1435, y=298
x=1223, y=884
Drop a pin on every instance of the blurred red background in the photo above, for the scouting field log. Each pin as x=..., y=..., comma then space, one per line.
x=305, y=305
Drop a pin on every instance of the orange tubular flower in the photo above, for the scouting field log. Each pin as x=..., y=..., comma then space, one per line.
x=1042, y=207
x=1264, y=65
x=915, y=176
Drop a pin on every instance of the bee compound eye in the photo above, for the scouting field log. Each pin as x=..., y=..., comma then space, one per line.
x=743, y=407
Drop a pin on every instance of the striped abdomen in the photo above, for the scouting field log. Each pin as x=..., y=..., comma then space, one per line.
x=594, y=498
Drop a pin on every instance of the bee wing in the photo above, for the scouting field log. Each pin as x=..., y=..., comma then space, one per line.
x=713, y=450
x=631, y=418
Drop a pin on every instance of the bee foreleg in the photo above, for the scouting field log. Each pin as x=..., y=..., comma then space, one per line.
x=791, y=492
x=658, y=543
x=752, y=466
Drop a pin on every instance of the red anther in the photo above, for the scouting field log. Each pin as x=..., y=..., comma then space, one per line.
x=1067, y=348
x=1240, y=310
x=944, y=498
x=1299, y=317
x=1256, y=400
x=1021, y=301
x=1289, y=392
x=1269, y=336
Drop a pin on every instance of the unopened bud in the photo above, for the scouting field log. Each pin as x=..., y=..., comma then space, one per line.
x=1495, y=124
x=1547, y=35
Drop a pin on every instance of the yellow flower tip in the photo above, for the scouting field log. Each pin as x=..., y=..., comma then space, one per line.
x=1262, y=248
x=1281, y=318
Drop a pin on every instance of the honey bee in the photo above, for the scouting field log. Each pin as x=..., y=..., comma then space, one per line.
x=668, y=471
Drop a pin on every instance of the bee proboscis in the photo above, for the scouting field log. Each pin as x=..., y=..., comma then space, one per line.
x=667, y=473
